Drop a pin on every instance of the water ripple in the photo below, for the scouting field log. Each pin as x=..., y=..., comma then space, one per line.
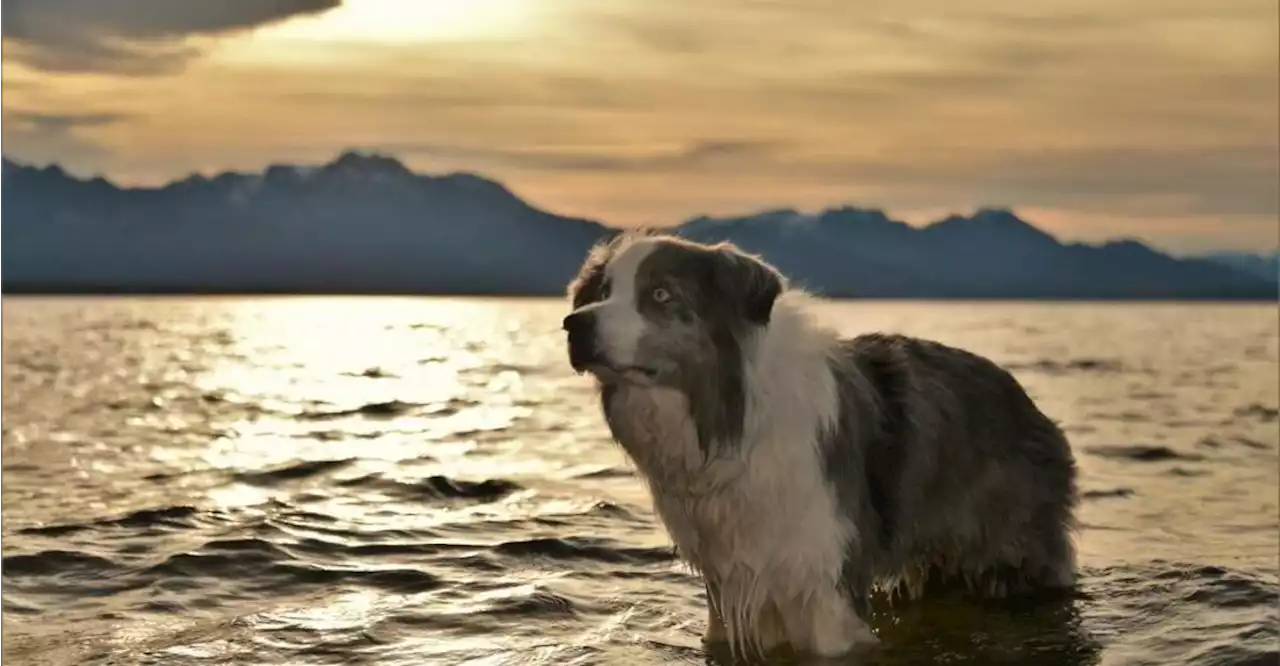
x=200, y=481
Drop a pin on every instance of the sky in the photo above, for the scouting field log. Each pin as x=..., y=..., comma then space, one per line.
x=1155, y=119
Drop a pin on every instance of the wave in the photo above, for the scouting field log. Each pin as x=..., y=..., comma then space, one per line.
x=66, y=563
x=537, y=603
x=583, y=548
x=386, y=409
x=292, y=471
x=399, y=580
x=436, y=487
x=1258, y=411
x=1055, y=367
x=1107, y=494
x=1240, y=440
x=608, y=473
x=370, y=373
x=175, y=517
x=1141, y=453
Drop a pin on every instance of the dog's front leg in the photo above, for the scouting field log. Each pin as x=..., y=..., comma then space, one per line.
x=715, y=632
x=827, y=625
x=756, y=629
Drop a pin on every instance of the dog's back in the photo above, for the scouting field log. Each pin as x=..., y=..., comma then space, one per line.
x=947, y=465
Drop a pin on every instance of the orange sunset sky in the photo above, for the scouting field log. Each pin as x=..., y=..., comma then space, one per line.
x=1096, y=118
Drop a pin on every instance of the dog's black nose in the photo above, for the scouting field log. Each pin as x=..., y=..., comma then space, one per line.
x=582, y=339
x=579, y=324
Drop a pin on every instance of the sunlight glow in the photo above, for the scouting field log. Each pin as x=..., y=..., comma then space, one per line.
x=398, y=388
x=395, y=22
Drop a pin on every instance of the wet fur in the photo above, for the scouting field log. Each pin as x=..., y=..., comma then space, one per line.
x=796, y=470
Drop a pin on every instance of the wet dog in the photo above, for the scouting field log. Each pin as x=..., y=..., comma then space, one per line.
x=795, y=469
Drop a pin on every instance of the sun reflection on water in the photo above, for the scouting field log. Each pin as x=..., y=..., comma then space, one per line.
x=397, y=390
x=304, y=367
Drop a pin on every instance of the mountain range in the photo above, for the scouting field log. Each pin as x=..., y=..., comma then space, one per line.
x=1264, y=265
x=365, y=223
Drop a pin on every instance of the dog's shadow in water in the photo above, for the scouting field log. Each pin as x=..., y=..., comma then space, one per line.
x=948, y=627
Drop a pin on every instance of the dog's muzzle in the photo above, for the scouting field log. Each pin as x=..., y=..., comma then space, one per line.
x=583, y=351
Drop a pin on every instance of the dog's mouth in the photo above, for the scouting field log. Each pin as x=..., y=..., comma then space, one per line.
x=586, y=359
x=609, y=373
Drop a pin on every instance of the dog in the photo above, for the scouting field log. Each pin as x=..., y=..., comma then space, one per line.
x=797, y=470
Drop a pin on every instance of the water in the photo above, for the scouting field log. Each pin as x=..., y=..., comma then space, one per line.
x=423, y=481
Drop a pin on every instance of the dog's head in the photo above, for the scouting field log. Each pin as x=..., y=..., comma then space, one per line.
x=654, y=309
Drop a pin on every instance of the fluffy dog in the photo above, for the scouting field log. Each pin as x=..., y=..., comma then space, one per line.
x=795, y=469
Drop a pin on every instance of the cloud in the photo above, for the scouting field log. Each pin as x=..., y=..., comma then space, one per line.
x=467, y=90
x=58, y=137
x=57, y=123
x=702, y=154
x=134, y=37
x=1174, y=180
x=1138, y=109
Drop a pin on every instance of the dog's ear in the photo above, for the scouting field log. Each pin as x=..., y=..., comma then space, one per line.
x=588, y=285
x=748, y=282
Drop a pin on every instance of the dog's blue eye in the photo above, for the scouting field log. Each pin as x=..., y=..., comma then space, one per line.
x=661, y=295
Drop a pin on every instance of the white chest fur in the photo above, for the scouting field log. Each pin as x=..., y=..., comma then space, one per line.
x=761, y=521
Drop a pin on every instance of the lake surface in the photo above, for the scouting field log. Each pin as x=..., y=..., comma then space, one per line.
x=424, y=481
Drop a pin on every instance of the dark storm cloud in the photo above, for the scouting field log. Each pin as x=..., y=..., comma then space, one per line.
x=131, y=36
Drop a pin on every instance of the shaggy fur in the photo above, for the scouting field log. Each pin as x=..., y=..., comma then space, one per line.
x=795, y=469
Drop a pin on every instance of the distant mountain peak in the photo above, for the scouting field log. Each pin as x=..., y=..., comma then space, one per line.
x=770, y=219
x=476, y=184
x=1000, y=213
x=1129, y=245
x=853, y=215
x=53, y=169
x=359, y=165
x=354, y=160
x=991, y=221
x=773, y=216
x=856, y=211
x=192, y=179
x=1263, y=265
x=994, y=218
